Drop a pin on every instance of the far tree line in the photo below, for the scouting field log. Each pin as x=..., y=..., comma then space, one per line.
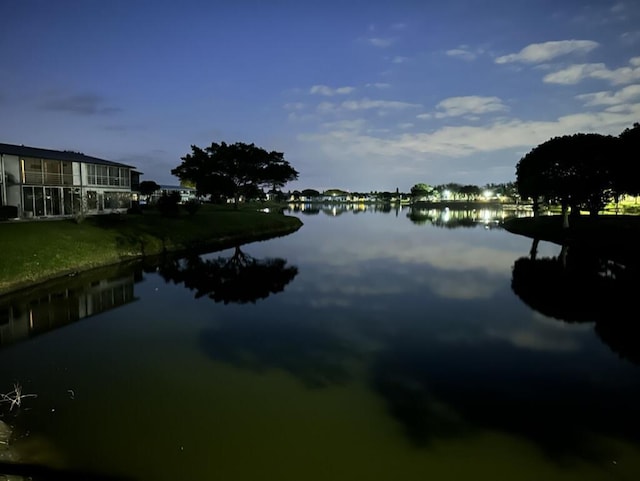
x=584, y=171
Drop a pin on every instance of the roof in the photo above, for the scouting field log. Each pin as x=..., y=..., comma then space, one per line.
x=67, y=155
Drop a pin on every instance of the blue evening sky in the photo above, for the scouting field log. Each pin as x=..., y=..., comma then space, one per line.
x=359, y=95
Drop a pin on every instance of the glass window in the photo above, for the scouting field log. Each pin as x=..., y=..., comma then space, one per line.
x=52, y=172
x=67, y=173
x=27, y=200
x=31, y=171
x=39, y=200
x=67, y=202
x=92, y=200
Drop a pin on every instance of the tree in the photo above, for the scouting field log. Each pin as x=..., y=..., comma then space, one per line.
x=309, y=193
x=627, y=172
x=470, y=192
x=574, y=170
x=421, y=190
x=147, y=188
x=230, y=170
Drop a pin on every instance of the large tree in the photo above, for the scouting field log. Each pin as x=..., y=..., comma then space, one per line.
x=574, y=170
x=421, y=190
x=230, y=170
x=627, y=174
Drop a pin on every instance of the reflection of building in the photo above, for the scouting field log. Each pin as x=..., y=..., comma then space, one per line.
x=45, y=183
x=33, y=312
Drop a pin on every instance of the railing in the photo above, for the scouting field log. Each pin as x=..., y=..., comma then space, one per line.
x=49, y=178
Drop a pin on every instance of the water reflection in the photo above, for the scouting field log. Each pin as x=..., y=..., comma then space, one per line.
x=34, y=311
x=391, y=338
x=579, y=286
x=314, y=356
x=453, y=218
x=334, y=209
x=239, y=278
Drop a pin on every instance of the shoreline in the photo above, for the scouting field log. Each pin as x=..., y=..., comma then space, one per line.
x=51, y=250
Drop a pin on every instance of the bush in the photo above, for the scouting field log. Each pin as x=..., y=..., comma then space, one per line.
x=8, y=212
x=192, y=206
x=168, y=204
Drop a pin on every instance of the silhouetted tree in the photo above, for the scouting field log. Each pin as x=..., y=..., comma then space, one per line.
x=147, y=188
x=574, y=170
x=627, y=172
x=421, y=190
x=310, y=193
x=470, y=192
x=230, y=170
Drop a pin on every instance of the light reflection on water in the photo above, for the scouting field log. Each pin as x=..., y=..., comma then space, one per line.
x=396, y=349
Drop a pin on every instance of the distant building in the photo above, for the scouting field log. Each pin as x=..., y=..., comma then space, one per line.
x=186, y=193
x=53, y=183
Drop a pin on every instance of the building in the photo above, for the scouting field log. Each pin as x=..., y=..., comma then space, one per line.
x=51, y=183
x=186, y=193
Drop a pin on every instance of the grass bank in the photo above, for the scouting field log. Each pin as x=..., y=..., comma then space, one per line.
x=36, y=251
x=615, y=236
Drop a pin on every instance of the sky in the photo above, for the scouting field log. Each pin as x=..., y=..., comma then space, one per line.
x=358, y=95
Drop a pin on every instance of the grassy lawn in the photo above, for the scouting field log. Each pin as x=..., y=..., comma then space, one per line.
x=38, y=250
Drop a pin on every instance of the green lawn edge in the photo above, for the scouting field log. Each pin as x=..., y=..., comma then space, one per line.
x=36, y=251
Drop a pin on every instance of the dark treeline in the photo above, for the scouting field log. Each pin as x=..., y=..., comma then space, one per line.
x=581, y=171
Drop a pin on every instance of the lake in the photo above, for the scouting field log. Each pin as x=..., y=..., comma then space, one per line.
x=370, y=344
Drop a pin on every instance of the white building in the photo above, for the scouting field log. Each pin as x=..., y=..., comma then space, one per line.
x=49, y=183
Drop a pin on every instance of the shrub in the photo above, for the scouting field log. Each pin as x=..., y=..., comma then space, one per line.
x=192, y=206
x=8, y=212
x=168, y=204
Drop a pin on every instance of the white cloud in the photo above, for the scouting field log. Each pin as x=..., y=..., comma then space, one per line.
x=573, y=74
x=630, y=38
x=365, y=104
x=399, y=59
x=469, y=105
x=543, y=52
x=378, y=85
x=326, y=107
x=461, y=53
x=380, y=41
x=329, y=92
x=626, y=95
x=462, y=141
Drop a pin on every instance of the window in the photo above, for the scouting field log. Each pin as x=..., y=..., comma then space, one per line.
x=107, y=175
x=31, y=171
x=117, y=200
x=46, y=172
x=92, y=200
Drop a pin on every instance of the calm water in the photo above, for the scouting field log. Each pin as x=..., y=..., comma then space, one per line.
x=367, y=345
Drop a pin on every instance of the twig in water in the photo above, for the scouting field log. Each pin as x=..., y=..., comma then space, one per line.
x=15, y=397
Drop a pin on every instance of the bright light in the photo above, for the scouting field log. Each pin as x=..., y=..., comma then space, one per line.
x=446, y=194
x=487, y=194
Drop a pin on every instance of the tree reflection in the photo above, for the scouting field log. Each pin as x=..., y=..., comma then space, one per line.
x=237, y=279
x=453, y=389
x=578, y=286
